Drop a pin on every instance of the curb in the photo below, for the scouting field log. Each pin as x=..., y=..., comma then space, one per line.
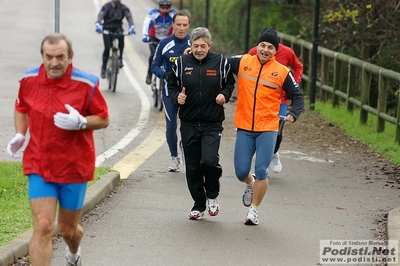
x=19, y=246
x=393, y=228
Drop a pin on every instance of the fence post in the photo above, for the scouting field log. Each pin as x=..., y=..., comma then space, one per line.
x=337, y=73
x=351, y=85
x=365, y=93
x=382, y=101
x=323, y=95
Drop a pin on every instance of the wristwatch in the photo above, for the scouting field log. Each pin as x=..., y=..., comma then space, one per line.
x=83, y=123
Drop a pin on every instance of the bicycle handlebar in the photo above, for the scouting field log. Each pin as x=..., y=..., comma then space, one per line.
x=116, y=33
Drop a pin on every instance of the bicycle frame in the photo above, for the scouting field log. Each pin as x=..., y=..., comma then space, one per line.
x=112, y=64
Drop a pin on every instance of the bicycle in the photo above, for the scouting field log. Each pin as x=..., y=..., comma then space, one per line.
x=156, y=87
x=112, y=69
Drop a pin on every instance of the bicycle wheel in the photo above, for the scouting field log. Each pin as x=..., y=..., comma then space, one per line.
x=159, y=93
x=115, y=68
x=108, y=72
x=155, y=93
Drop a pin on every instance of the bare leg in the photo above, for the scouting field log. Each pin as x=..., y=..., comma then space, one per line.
x=260, y=188
x=68, y=224
x=40, y=247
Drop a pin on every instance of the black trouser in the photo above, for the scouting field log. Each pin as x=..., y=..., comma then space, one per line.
x=280, y=136
x=107, y=39
x=152, y=45
x=203, y=171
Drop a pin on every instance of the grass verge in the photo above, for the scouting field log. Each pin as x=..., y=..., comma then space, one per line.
x=383, y=143
x=15, y=212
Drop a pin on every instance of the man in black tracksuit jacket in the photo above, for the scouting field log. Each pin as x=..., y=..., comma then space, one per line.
x=200, y=84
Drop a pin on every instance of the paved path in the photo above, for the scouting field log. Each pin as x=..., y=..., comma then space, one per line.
x=314, y=198
x=144, y=221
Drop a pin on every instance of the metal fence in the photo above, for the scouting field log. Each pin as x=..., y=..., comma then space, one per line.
x=357, y=90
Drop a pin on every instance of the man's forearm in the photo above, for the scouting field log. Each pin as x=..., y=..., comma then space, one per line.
x=21, y=121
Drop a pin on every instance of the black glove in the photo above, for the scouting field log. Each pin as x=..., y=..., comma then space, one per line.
x=166, y=76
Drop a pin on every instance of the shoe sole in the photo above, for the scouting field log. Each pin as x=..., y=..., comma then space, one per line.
x=276, y=172
x=250, y=222
x=246, y=205
x=193, y=217
x=213, y=213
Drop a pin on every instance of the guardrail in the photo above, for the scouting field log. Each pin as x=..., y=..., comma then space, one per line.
x=358, y=88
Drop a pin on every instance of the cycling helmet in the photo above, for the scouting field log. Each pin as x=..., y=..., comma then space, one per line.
x=165, y=2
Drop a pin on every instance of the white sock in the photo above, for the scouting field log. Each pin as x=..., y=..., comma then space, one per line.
x=73, y=257
x=251, y=183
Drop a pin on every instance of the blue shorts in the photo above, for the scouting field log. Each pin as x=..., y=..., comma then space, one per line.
x=247, y=144
x=70, y=196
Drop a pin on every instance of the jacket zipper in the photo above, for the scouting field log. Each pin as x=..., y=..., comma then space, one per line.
x=255, y=98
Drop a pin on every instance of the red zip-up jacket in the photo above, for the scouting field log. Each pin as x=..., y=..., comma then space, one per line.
x=58, y=155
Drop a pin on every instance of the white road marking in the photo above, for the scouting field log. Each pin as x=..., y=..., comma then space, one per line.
x=143, y=119
x=296, y=155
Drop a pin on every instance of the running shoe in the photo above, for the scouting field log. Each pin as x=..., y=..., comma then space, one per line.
x=247, y=197
x=77, y=263
x=196, y=215
x=213, y=207
x=103, y=73
x=275, y=165
x=174, y=165
x=252, y=217
x=121, y=63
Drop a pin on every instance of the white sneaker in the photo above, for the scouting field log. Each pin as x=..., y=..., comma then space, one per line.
x=174, y=165
x=213, y=207
x=252, y=217
x=77, y=262
x=275, y=165
x=195, y=215
x=247, y=197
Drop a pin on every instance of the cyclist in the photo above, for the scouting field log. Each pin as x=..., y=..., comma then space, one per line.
x=156, y=26
x=112, y=14
x=168, y=50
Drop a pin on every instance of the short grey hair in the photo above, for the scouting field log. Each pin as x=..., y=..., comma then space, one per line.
x=54, y=38
x=200, y=32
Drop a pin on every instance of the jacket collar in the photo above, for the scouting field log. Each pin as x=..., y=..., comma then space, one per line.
x=205, y=58
x=63, y=82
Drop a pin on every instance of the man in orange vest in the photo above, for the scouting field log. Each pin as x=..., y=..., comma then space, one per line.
x=287, y=57
x=261, y=81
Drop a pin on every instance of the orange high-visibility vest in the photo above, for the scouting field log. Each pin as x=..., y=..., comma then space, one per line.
x=259, y=90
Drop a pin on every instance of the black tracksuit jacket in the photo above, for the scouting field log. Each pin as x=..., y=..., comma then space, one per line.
x=203, y=81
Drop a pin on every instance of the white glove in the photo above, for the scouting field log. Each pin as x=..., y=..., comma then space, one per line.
x=71, y=121
x=15, y=144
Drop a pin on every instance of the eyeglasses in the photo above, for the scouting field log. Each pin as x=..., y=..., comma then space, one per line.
x=165, y=7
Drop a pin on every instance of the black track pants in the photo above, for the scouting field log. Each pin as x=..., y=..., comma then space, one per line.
x=203, y=171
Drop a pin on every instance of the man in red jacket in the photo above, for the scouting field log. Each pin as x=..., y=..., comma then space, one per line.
x=287, y=57
x=61, y=106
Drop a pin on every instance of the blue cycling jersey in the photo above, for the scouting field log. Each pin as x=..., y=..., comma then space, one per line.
x=168, y=50
x=156, y=25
